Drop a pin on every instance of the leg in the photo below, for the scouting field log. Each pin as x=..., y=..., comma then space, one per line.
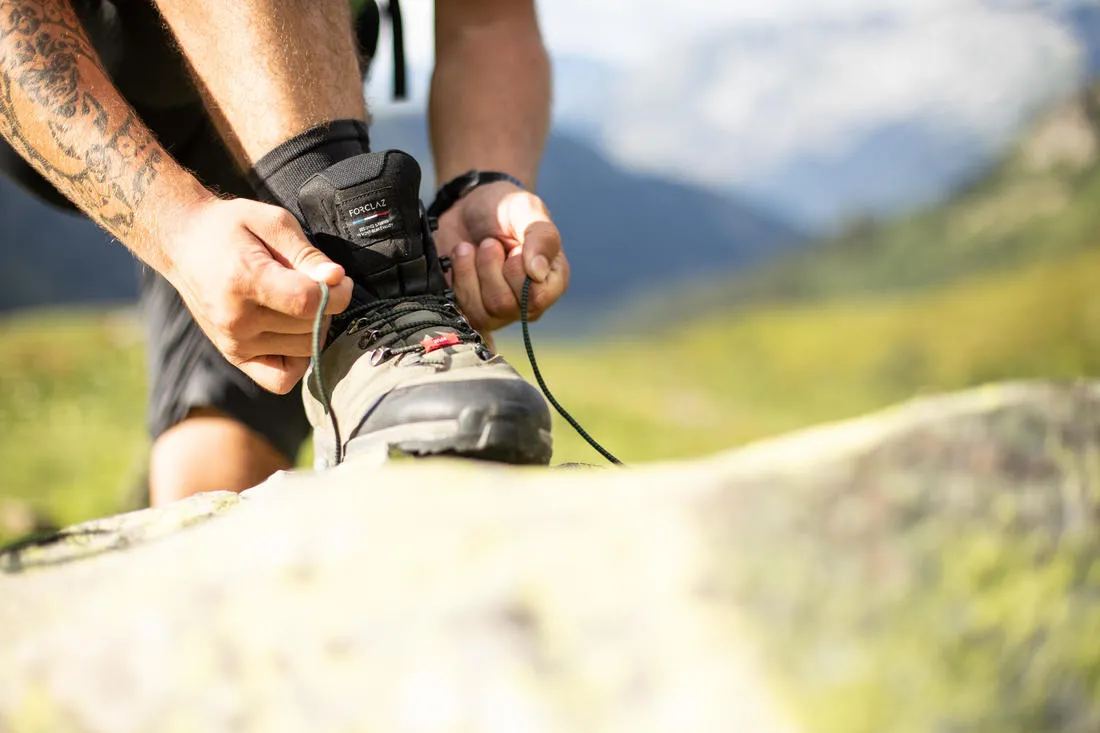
x=212, y=427
x=270, y=69
x=209, y=451
x=281, y=78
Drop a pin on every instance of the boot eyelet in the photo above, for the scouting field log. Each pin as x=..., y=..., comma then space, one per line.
x=357, y=324
x=368, y=338
x=380, y=355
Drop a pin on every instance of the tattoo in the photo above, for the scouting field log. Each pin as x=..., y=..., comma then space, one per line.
x=103, y=165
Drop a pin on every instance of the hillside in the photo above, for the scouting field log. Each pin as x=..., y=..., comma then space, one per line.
x=1000, y=283
x=50, y=258
x=71, y=387
x=1039, y=203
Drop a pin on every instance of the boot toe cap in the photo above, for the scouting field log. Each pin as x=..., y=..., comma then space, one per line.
x=463, y=401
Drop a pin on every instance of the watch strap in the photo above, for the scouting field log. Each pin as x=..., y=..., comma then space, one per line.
x=459, y=186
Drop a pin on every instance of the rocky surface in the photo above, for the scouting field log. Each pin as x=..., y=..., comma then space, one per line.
x=932, y=568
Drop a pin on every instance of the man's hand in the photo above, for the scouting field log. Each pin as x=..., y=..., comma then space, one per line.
x=496, y=236
x=249, y=277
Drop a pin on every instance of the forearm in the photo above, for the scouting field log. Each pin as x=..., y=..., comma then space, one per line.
x=61, y=112
x=490, y=94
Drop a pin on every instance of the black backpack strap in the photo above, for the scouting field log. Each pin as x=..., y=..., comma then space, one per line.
x=368, y=22
x=393, y=9
x=368, y=26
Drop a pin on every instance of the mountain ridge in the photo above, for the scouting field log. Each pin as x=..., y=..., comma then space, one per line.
x=1036, y=203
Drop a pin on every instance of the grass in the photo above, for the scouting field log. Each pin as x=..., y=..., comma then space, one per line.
x=746, y=374
x=72, y=386
x=71, y=413
x=999, y=283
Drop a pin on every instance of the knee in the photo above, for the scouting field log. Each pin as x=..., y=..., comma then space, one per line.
x=209, y=451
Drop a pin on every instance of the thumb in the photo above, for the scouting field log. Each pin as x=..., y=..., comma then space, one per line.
x=529, y=223
x=283, y=236
x=314, y=263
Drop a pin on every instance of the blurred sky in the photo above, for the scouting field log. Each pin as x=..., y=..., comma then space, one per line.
x=744, y=95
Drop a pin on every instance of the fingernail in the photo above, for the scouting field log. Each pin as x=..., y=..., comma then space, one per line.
x=327, y=272
x=488, y=244
x=464, y=249
x=540, y=268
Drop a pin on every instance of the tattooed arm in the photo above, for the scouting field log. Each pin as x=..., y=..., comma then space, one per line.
x=61, y=112
x=233, y=262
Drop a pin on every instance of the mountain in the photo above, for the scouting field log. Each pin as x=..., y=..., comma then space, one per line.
x=625, y=232
x=826, y=112
x=1039, y=203
x=1084, y=20
x=49, y=257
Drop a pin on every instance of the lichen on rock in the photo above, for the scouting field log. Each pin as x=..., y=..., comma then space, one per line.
x=931, y=568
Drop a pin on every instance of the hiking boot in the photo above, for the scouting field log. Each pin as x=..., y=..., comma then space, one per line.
x=403, y=369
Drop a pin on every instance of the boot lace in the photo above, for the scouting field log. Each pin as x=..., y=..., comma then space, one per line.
x=377, y=322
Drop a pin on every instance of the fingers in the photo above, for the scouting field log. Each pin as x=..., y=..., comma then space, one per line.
x=265, y=344
x=502, y=281
x=467, y=287
x=489, y=285
x=283, y=344
x=497, y=295
x=293, y=294
x=250, y=278
x=275, y=361
x=545, y=294
x=280, y=232
x=286, y=282
x=515, y=274
x=339, y=296
x=541, y=246
x=525, y=218
x=276, y=374
x=269, y=321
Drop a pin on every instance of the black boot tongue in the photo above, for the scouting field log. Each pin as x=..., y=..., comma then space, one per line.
x=431, y=325
x=365, y=213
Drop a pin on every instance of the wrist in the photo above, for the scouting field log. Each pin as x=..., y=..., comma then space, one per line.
x=461, y=186
x=167, y=236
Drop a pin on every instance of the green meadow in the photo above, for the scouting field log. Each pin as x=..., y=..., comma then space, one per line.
x=1001, y=282
x=72, y=386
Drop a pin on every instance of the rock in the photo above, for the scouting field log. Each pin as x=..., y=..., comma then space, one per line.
x=1067, y=138
x=932, y=568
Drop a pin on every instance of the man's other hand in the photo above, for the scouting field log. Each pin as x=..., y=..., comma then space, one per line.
x=249, y=277
x=497, y=235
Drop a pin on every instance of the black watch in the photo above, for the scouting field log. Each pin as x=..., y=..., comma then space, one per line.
x=459, y=186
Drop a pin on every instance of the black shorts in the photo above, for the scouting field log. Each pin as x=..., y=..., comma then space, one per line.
x=185, y=370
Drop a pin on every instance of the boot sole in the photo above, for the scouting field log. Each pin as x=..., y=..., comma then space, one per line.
x=479, y=434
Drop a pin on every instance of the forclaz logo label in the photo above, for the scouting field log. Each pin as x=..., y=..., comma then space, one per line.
x=368, y=208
